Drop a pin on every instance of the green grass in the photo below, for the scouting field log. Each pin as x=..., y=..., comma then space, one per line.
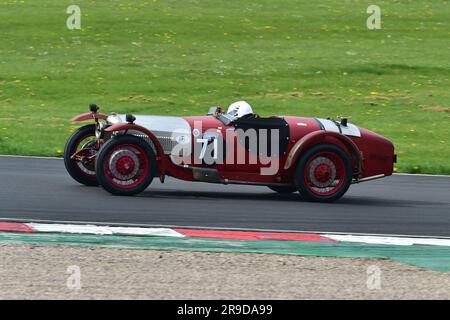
x=180, y=57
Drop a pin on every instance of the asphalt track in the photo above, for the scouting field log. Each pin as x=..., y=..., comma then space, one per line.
x=40, y=189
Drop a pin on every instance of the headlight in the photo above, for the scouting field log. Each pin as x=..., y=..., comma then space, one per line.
x=113, y=119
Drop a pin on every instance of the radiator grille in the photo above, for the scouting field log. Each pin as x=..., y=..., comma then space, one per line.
x=165, y=138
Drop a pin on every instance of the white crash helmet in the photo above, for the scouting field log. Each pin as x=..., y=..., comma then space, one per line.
x=239, y=109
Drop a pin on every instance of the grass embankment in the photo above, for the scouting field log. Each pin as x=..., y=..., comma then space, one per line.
x=180, y=57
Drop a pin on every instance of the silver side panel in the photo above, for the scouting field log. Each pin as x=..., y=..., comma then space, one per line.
x=169, y=130
x=349, y=130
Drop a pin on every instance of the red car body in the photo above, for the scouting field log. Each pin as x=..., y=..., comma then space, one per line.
x=368, y=154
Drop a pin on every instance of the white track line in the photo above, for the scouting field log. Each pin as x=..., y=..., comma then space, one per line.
x=103, y=230
x=29, y=157
x=397, y=241
x=422, y=175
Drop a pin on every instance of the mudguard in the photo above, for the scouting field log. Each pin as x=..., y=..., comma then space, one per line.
x=89, y=116
x=159, y=149
x=316, y=137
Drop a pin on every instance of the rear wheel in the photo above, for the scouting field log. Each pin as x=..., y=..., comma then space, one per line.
x=79, y=155
x=126, y=165
x=324, y=173
x=284, y=189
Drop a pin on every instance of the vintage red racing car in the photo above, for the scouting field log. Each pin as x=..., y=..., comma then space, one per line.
x=320, y=158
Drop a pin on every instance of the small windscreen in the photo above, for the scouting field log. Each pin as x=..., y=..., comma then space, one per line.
x=225, y=118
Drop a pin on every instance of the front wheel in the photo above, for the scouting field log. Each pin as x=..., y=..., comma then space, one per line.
x=126, y=165
x=79, y=155
x=324, y=173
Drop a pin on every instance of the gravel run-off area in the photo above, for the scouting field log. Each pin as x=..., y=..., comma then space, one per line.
x=51, y=272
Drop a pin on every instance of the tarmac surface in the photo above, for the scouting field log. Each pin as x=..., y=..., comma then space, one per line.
x=41, y=189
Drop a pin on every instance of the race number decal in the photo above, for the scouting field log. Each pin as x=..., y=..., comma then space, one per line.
x=205, y=143
x=209, y=149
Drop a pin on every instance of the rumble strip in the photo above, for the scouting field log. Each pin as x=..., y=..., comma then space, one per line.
x=217, y=234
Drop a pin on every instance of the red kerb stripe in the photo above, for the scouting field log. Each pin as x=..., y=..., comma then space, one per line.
x=15, y=227
x=250, y=235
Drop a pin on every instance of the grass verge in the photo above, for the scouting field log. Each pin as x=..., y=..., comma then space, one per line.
x=179, y=57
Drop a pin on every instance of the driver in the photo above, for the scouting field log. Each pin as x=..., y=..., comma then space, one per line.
x=240, y=109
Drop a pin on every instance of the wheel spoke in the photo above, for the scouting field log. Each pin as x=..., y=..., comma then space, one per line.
x=324, y=173
x=127, y=166
x=84, y=156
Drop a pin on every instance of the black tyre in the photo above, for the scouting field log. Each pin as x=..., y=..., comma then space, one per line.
x=126, y=165
x=82, y=141
x=284, y=189
x=324, y=173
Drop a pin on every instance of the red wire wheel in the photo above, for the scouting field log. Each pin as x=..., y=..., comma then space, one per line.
x=82, y=145
x=126, y=165
x=324, y=173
